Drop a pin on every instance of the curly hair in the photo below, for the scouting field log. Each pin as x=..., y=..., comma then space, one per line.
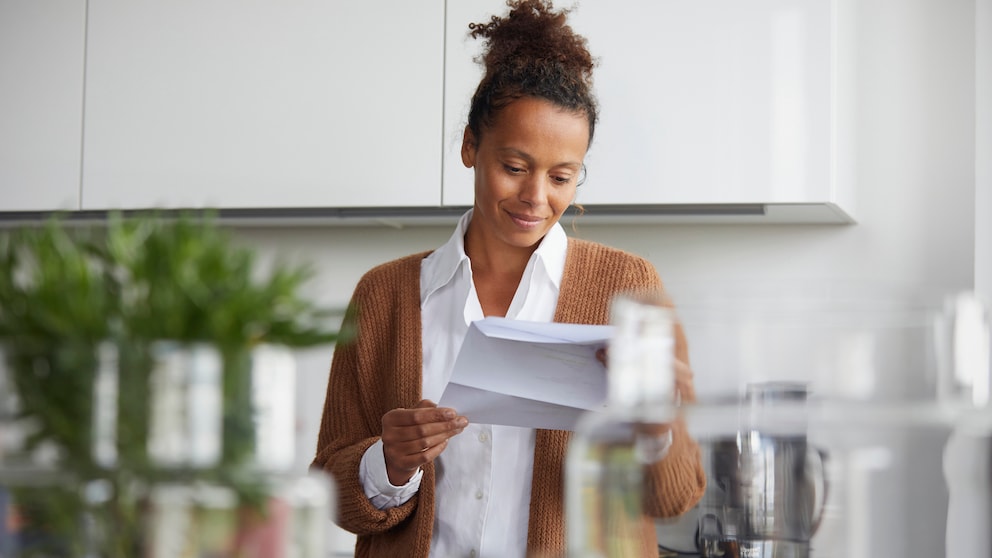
x=532, y=52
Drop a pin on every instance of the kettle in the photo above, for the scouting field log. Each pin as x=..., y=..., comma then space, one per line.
x=768, y=485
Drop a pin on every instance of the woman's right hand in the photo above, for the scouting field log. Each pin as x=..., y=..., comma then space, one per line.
x=414, y=437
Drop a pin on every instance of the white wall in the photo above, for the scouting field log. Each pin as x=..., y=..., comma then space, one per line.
x=983, y=146
x=915, y=170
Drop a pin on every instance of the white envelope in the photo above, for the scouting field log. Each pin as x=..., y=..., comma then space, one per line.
x=530, y=374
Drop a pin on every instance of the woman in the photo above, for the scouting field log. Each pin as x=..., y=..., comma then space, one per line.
x=418, y=480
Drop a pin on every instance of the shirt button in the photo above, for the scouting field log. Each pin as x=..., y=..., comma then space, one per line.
x=478, y=495
x=483, y=437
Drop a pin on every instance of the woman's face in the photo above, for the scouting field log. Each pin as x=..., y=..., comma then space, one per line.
x=527, y=165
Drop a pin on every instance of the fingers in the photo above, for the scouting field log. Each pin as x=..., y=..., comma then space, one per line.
x=683, y=382
x=403, y=444
x=416, y=436
x=601, y=356
x=425, y=412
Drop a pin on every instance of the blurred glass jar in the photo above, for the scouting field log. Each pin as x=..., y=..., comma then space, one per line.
x=49, y=408
x=884, y=454
x=288, y=517
x=81, y=460
x=184, y=410
x=48, y=402
x=612, y=485
x=192, y=407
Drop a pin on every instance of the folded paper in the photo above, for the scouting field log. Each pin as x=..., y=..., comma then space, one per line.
x=529, y=374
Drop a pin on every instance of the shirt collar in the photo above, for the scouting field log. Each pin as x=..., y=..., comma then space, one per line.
x=551, y=254
x=443, y=263
x=440, y=267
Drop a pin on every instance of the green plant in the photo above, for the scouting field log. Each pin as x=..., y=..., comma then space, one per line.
x=185, y=280
x=64, y=290
x=54, y=308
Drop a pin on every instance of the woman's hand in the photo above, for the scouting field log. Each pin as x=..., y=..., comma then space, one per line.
x=414, y=437
x=683, y=382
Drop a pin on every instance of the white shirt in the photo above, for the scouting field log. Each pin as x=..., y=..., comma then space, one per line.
x=483, y=478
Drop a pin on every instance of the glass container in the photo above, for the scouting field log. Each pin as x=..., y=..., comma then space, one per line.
x=613, y=453
x=53, y=425
x=133, y=467
x=184, y=414
x=287, y=517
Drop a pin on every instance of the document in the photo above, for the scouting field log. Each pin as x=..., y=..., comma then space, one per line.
x=530, y=374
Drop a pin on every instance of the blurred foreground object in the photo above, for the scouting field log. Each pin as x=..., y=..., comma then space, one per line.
x=838, y=425
x=140, y=359
x=633, y=461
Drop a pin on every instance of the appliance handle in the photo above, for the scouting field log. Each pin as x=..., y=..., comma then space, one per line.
x=824, y=489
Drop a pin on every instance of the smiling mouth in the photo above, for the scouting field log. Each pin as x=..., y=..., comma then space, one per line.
x=525, y=221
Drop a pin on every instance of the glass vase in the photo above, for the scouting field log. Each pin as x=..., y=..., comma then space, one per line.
x=57, y=420
x=610, y=491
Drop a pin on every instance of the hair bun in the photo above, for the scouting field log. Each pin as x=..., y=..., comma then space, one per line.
x=534, y=35
x=532, y=51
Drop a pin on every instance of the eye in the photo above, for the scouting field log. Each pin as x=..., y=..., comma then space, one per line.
x=561, y=180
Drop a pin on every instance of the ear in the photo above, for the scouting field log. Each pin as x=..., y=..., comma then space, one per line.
x=469, y=147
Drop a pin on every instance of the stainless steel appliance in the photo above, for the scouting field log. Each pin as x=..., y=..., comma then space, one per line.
x=767, y=484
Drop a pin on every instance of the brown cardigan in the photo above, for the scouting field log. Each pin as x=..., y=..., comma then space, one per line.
x=380, y=370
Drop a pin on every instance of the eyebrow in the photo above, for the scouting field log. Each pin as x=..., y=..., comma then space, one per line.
x=526, y=156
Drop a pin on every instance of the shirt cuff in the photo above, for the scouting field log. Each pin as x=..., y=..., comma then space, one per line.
x=375, y=480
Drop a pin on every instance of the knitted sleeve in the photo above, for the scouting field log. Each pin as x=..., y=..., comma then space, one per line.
x=378, y=369
x=351, y=422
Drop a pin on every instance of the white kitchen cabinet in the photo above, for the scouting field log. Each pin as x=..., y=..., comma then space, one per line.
x=263, y=104
x=41, y=103
x=706, y=104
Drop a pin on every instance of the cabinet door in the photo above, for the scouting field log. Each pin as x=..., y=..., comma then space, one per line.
x=702, y=102
x=234, y=104
x=41, y=103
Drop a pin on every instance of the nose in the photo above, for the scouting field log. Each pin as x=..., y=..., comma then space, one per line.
x=533, y=190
